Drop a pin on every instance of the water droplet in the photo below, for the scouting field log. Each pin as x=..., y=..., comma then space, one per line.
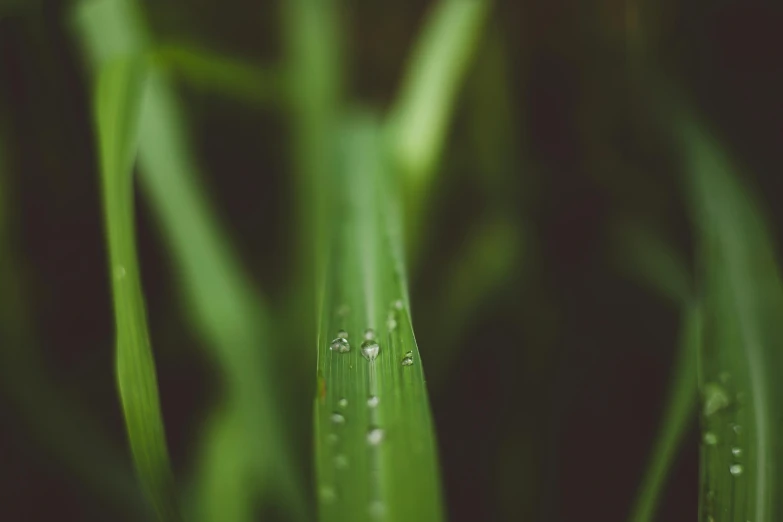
x=342, y=334
x=735, y=469
x=119, y=272
x=343, y=402
x=340, y=345
x=710, y=439
x=373, y=401
x=398, y=304
x=377, y=509
x=737, y=452
x=715, y=399
x=375, y=436
x=341, y=461
x=391, y=323
x=337, y=418
x=408, y=359
x=332, y=438
x=328, y=494
x=369, y=334
x=736, y=428
x=370, y=350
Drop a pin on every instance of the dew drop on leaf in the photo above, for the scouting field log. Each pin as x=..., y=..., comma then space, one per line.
x=373, y=401
x=375, y=436
x=337, y=418
x=340, y=345
x=408, y=359
x=735, y=469
x=370, y=350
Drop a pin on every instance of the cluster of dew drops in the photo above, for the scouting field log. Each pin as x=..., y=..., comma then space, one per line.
x=717, y=400
x=370, y=348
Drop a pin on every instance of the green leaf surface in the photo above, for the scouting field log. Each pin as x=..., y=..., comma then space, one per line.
x=118, y=100
x=375, y=445
x=740, y=360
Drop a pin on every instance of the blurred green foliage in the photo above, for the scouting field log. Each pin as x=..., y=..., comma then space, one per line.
x=580, y=223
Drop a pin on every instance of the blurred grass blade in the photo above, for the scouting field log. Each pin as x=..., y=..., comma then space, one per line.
x=740, y=360
x=680, y=406
x=650, y=260
x=118, y=100
x=420, y=116
x=375, y=445
x=223, y=74
x=221, y=301
x=647, y=258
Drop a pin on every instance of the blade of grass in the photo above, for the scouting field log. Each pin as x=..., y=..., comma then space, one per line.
x=646, y=257
x=677, y=415
x=222, y=74
x=222, y=304
x=118, y=100
x=740, y=358
x=420, y=116
x=649, y=259
x=375, y=445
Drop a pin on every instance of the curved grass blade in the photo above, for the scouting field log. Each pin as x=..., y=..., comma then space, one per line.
x=375, y=445
x=118, y=101
x=741, y=357
x=677, y=415
x=649, y=259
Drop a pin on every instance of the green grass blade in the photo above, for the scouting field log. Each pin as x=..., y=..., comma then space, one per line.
x=222, y=304
x=120, y=87
x=223, y=74
x=420, y=116
x=373, y=460
x=647, y=258
x=741, y=358
x=680, y=406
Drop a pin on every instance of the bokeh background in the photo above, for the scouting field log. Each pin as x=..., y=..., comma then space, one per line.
x=547, y=364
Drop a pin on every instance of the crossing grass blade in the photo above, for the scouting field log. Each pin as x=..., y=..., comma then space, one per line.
x=677, y=416
x=120, y=86
x=215, y=72
x=741, y=359
x=647, y=258
x=223, y=307
x=373, y=460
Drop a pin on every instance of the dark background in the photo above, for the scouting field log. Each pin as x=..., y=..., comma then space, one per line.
x=553, y=398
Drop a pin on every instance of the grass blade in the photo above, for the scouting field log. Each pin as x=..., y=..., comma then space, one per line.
x=741, y=356
x=649, y=259
x=677, y=415
x=223, y=74
x=420, y=116
x=372, y=459
x=118, y=101
x=223, y=306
